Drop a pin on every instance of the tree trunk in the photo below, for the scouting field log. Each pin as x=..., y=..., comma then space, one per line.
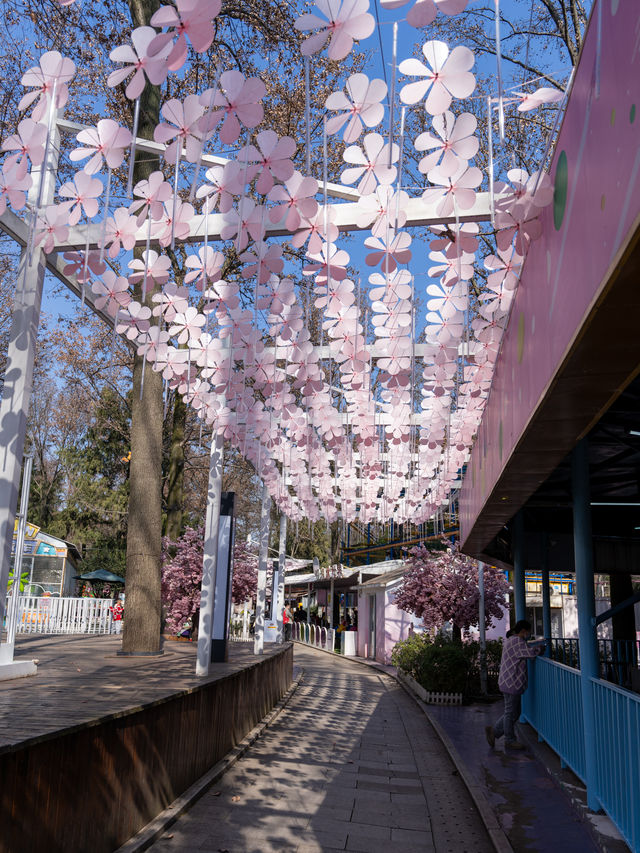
x=141, y=629
x=175, y=479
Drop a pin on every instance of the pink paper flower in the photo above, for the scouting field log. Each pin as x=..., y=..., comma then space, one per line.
x=30, y=140
x=153, y=193
x=84, y=192
x=458, y=189
x=447, y=300
x=236, y=103
x=173, y=300
x=247, y=219
x=181, y=125
x=112, y=292
x=121, y=231
x=532, y=100
x=53, y=69
x=446, y=76
x=297, y=201
x=205, y=266
x=226, y=182
x=360, y=106
x=270, y=160
x=389, y=251
x=344, y=22
x=450, y=268
x=158, y=270
x=75, y=265
x=382, y=209
x=329, y=261
x=106, y=141
x=262, y=261
x=15, y=181
x=133, y=320
x=138, y=60
x=371, y=166
x=176, y=222
x=192, y=18
x=52, y=226
x=424, y=12
x=187, y=324
x=505, y=268
x=316, y=229
x=455, y=143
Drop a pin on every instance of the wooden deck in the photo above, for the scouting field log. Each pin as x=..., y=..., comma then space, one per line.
x=96, y=745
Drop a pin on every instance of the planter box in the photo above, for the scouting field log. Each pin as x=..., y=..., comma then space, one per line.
x=427, y=696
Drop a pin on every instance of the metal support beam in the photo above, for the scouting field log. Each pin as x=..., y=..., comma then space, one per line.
x=482, y=628
x=261, y=594
x=18, y=230
x=282, y=555
x=583, y=554
x=519, y=557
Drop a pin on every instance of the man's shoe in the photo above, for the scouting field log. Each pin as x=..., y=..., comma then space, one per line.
x=514, y=744
x=490, y=735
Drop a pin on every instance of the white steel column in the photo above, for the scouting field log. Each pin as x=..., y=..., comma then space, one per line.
x=282, y=551
x=18, y=377
x=330, y=603
x=210, y=558
x=261, y=595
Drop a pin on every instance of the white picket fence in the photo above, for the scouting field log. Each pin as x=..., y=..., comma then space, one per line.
x=44, y=615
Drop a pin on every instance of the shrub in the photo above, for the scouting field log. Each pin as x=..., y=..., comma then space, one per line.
x=444, y=665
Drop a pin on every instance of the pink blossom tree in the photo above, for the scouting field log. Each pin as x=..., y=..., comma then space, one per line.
x=182, y=576
x=442, y=586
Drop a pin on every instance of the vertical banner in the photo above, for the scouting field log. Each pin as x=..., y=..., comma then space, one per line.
x=224, y=575
x=275, y=582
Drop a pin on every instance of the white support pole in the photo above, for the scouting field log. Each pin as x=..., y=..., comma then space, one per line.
x=210, y=557
x=482, y=629
x=12, y=615
x=330, y=603
x=18, y=376
x=282, y=550
x=261, y=594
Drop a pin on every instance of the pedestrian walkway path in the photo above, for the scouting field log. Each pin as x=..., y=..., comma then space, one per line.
x=351, y=764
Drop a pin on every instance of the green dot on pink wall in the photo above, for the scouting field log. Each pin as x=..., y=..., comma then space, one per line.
x=632, y=114
x=560, y=187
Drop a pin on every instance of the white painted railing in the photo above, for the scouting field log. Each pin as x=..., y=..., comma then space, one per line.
x=314, y=635
x=44, y=615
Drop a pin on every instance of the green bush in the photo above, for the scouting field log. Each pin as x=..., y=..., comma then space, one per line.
x=443, y=665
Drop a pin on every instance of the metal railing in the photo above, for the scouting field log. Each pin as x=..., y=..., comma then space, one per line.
x=49, y=615
x=619, y=659
x=314, y=635
x=553, y=706
x=617, y=719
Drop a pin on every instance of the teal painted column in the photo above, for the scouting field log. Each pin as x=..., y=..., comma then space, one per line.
x=583, y=553
x=519, y=557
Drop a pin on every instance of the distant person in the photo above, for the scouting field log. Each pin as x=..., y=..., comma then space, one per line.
x=117, y=614
x=512, y=682
x=287, y=619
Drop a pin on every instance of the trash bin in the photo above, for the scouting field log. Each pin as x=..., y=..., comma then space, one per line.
x=348, y=643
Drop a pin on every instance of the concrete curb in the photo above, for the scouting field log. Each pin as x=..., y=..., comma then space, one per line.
x=487, y=815
x=153, y=830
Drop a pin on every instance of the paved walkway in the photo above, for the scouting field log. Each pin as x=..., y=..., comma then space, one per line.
x=351, y=764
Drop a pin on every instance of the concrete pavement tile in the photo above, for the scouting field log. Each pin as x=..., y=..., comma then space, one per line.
x=420, y=840
x=408, y=799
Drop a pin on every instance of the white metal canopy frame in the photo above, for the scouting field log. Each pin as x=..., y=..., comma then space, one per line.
x=374, y=420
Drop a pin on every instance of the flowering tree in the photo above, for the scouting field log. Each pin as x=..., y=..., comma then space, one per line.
x=182, y=576
x=442, y=586
x=245, y=574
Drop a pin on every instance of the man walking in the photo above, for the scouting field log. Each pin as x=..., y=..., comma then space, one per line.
x=513, y=682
